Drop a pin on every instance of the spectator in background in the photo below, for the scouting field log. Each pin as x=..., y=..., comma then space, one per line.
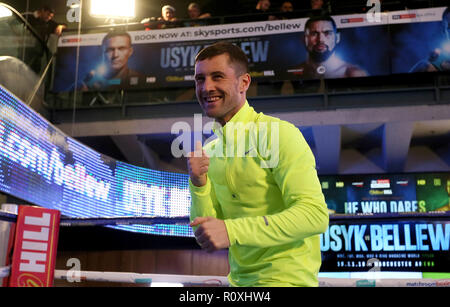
x=286, y=7
x=195, y=12
x=43, y=23
x=319, y=7
x=196, y=17
x=317, y=4
x=167, y=13
x=262, y=8
x=168, y=17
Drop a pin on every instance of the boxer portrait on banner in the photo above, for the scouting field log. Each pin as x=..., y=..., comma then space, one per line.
x=114, y=69
x=321, y=38
x=439, y=58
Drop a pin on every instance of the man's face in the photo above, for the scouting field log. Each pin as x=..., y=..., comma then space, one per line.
x=286, y=7
x=220, y=91
x=321, y=40
x=168, y=14
x=265, y=4
x=117, y=50
x=316, y=4
x=46, y=16
x=193, y=12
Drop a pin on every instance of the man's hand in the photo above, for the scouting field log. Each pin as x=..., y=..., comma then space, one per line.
x=59, y=29
x=198, y=164
x=211, y=234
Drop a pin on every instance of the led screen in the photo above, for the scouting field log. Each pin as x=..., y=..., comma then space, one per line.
x=393, y=243
x=43, y=166
x=387, y=193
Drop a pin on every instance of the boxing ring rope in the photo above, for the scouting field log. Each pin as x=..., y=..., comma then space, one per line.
x=134, y=278
x=191, y=280
x=222, y=281
x=108, y=221
x=122, y=277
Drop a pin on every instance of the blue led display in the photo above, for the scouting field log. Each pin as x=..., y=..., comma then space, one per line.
x=43, y=166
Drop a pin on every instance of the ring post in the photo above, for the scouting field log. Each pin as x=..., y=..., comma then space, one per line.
x=7, y=230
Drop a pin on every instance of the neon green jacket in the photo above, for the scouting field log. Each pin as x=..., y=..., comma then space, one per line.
x=271, y=200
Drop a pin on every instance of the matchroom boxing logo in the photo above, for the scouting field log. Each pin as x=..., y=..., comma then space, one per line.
x=237, y=139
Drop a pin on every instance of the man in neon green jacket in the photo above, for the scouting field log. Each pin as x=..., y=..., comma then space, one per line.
x=254, y=188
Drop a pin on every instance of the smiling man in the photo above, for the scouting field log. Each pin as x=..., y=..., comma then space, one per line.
x=270, y=216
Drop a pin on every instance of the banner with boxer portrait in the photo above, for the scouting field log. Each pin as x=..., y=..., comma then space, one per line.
x=420, y=40
x=349, y=46
x=277, y=50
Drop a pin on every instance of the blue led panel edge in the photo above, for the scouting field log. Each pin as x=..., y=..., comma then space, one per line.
x=43, y=166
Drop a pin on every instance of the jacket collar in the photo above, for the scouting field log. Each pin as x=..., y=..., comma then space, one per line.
x=243, y=116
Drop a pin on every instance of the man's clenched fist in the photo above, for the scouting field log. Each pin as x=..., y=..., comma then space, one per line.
x=211, y=234
x=198, y=164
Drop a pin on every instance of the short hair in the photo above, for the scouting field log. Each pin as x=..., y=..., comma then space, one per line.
x=114, y=34
x=47, y=8
x=235, y=54
x=321, y=18
x=193, y=5
x=168, y=7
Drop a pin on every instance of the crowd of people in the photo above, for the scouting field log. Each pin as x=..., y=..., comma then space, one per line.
x=196, y=15
x=261, y=9
x=252, y=10
x=273, y=10
x=280, y=9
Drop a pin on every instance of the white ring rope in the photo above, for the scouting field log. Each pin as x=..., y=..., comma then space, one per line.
x=385, y=282
x=112, y=220
x=195, y=280
x=137, y=278
x=192, y=280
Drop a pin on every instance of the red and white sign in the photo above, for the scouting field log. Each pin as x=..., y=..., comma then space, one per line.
x=421, y=15
x=35, y=247
x=380, y=184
